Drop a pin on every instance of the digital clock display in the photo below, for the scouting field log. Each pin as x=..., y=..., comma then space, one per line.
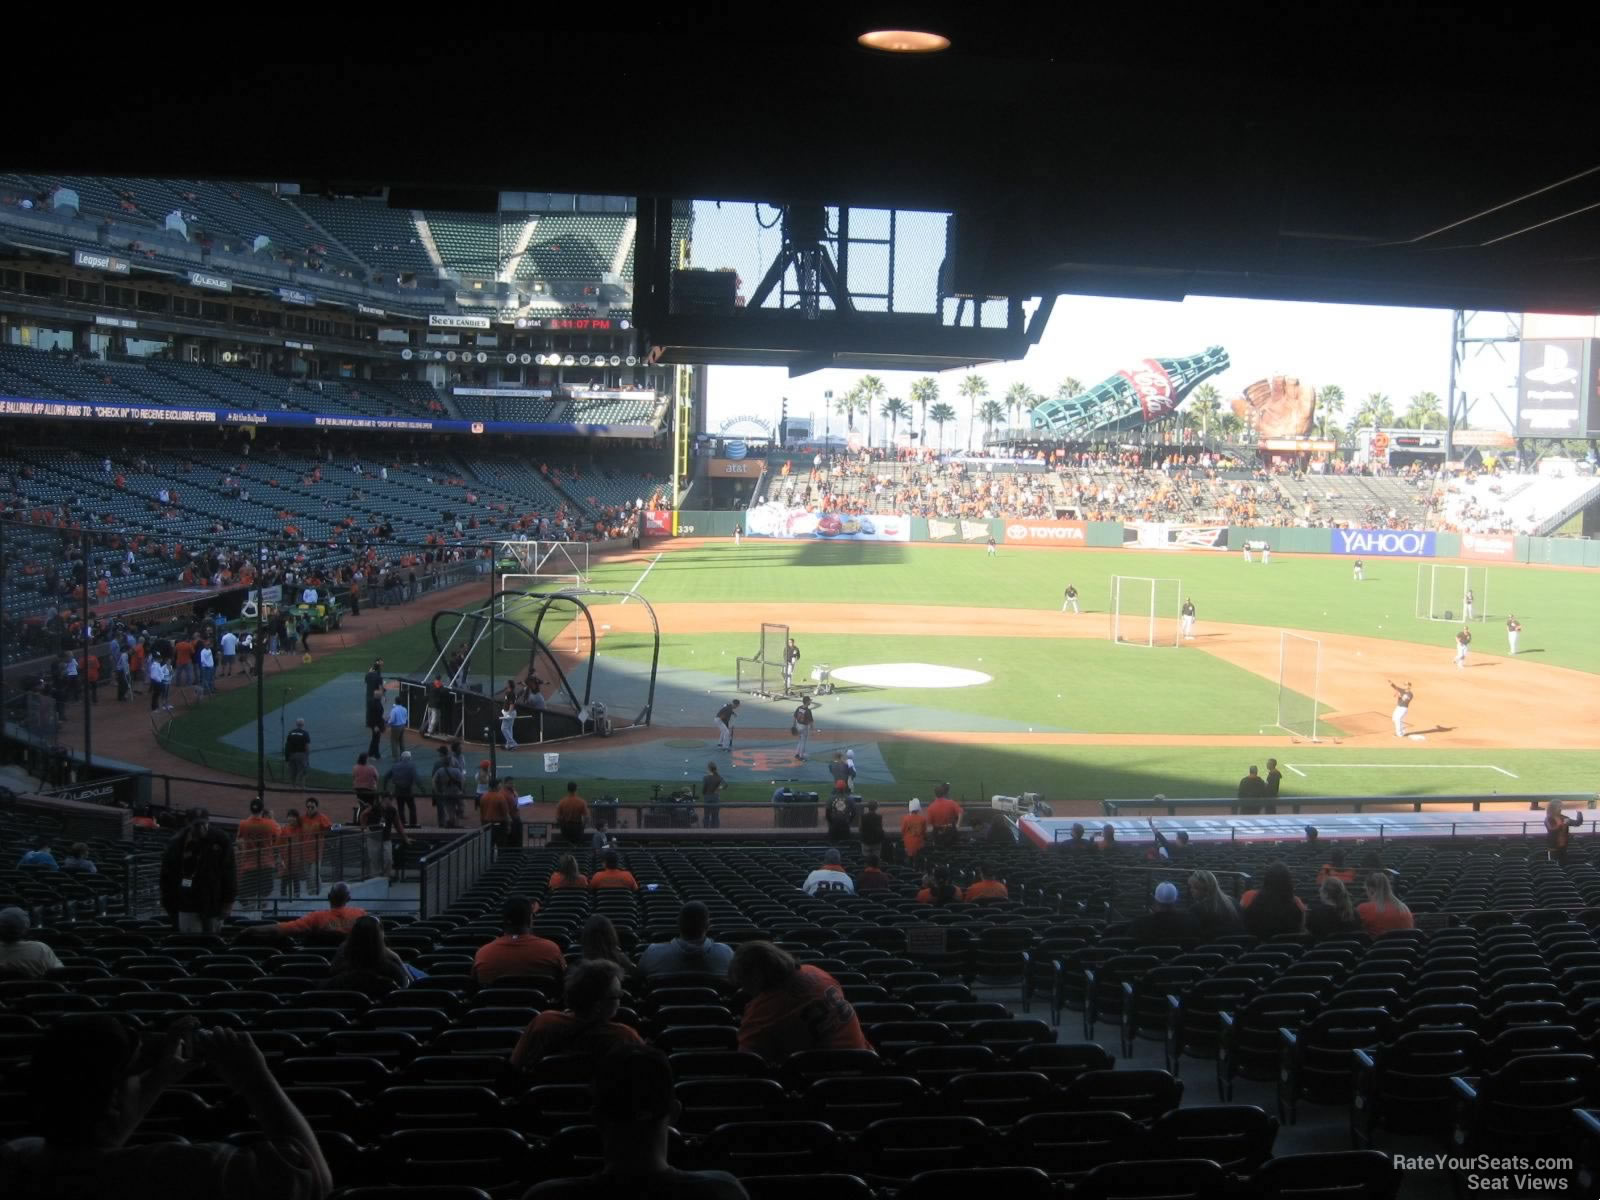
x=580, y=324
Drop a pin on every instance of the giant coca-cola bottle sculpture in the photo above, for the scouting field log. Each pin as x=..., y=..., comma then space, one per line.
x=1130, y=399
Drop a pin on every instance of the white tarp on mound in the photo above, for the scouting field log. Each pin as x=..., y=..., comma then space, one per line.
x=910, y=675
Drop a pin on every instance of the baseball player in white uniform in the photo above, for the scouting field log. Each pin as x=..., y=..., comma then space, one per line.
x=1247, y=557
x=1187, y=613
x=1266, y=556
x=1071, y=599
x=1360, y=575
x=1467, y=600
x=791, y=655
x=1463, y=640
x=1513, y=629
x=1402, y=702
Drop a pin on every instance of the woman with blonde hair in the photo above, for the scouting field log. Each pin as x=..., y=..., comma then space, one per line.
x=567, y=875
x=1212, y=909
x=1383, y=910
x=1333, y=912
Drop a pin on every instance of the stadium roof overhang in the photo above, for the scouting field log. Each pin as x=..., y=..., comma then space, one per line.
x=1395, y=155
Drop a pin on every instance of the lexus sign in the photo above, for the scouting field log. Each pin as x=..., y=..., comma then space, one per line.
x=1047, y=533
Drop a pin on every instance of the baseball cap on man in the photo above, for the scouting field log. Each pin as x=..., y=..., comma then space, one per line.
x=1166, y=893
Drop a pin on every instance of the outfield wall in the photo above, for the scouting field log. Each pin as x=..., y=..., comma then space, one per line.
x=1102, y=535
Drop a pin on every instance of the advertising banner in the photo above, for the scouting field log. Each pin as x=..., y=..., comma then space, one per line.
x=1383, y=543
x=657, y=522
x=781, y=521
x=1047, y=533
x=17, y=406
x=1551, y=387
x=949, y=529
x=1491, y=547
x=733, y=468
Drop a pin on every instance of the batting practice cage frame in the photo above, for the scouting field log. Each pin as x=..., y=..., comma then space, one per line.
x=1138, y=607
x=1442, y=592
x=1299, y=671
x=465, y=638
x=762, y=675
x=545, y=558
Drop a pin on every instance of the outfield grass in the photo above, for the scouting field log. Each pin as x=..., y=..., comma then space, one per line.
x=1102, y=687
x=1557, y=608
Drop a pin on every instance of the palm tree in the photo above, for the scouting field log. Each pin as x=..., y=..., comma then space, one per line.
x=1019, y=399
x=1230, y=428
x=850, y=403
x=991, y=413
x=1330, y=403
x=872, y=391
x=973, y=389
x=1375, y=412
x=924, y=391
x=941, y=414
x=1068, y=388
x=894, y=408
x=1206, y=403
x=1423, y=411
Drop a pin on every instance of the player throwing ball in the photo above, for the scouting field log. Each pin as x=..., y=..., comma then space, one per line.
x=1402, y=702
x=1513, y=629
x=1463, y=640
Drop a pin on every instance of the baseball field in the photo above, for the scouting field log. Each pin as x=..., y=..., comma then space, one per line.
x=953, y=664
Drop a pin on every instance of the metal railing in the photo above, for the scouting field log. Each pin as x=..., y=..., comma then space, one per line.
x=451, y=870
x=1293, y=804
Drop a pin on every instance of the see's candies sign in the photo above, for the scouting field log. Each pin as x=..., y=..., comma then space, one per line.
x=1047, y=533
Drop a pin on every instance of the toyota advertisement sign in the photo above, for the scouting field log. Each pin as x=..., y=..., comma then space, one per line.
x=1047, y=533
x=1555, y=386
x=1383, y=543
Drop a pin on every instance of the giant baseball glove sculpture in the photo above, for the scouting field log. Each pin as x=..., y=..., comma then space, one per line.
x=1277, y=407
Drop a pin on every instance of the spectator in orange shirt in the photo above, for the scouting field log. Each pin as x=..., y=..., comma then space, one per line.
x=1273, y=908
x=517, y=951
x=792, y=1007
x=183, y=652
x=255, y=852
x=988, y=887
x=594, y=993
x=572, y=814
x=873, y=877
x=1383, y=910
x=913, y=831
x=1334, y=868
x=314, y=829
x=336, y=919
x=567, y=875
x=944, y=814
x=612, y=875
x=937, y=888
x=494, y=808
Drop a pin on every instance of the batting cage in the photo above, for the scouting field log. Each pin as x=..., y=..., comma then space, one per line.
x=533, y=660
x=1443, y=588
x=1299, y=670
x=762, y=674
x=1145, y=611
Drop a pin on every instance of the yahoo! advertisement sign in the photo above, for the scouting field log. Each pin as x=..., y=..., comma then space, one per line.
x=1383, y=543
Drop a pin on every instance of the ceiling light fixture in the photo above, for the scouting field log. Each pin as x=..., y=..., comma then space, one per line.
x=904, y=41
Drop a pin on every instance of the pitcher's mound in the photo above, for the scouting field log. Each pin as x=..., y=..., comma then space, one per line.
x=911, y=675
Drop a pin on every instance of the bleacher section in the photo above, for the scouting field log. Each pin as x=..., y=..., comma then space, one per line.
x=995, y=1028
x=384, y=237
x=468, y=242
x=573, y=247
x=1505, y=503
x=1362, y=501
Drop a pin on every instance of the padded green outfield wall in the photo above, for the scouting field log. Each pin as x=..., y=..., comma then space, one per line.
x=1290, y=541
